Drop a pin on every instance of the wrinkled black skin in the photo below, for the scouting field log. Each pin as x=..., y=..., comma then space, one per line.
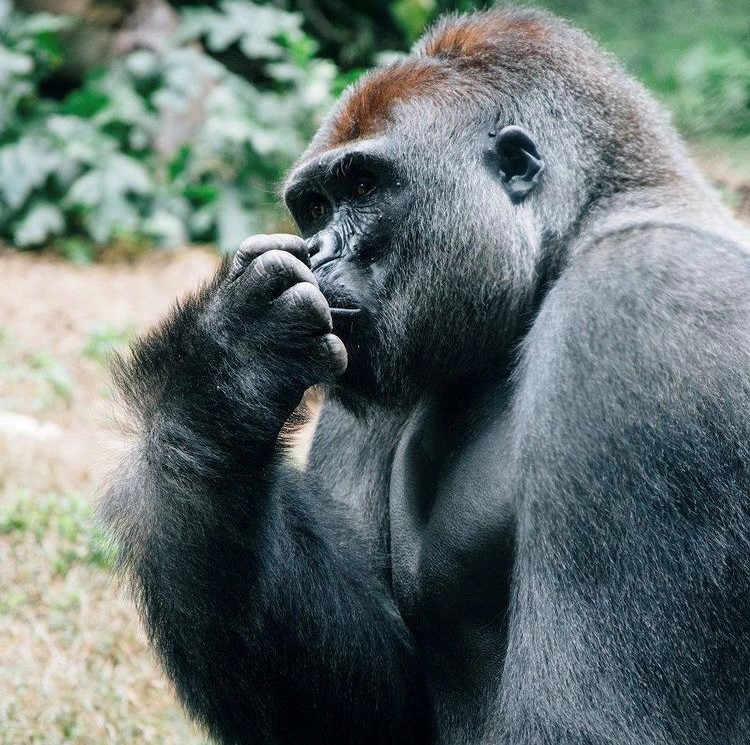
x=528, y=531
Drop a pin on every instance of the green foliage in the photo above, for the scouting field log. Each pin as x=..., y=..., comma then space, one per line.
x=694, y=54
x=413, y=15
x=50, y=381
x=713, y=89
x=167, y=147
x=104, y=339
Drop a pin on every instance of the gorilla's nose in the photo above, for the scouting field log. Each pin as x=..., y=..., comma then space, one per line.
x=323, y=247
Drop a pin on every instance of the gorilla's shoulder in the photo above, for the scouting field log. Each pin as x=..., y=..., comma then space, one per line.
x=655, y=301
x=659, y=273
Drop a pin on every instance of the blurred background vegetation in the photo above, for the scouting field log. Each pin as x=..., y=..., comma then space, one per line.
x=127, y=125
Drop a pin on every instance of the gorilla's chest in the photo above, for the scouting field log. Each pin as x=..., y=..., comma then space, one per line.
x=451, y=529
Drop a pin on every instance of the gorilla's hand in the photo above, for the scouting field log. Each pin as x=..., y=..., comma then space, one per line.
x=270, y=314
x=232, y=362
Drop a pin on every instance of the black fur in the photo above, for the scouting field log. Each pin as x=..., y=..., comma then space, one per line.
x=525, y=517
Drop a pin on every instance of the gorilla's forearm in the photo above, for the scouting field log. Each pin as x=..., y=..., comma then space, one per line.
x=268, y=610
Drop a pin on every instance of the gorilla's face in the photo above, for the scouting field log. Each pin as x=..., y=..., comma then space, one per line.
x=347, y=203
x=415, y=247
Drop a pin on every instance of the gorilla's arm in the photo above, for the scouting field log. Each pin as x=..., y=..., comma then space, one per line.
x=629, y=619
x=267, y=608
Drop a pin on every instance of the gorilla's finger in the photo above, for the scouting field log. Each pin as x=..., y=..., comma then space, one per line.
x=251, y=248
x=303, y=306
x=336, y=352
x=270, y=275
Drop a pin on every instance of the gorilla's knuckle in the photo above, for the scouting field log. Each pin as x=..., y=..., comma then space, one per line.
x=273, y=263
x=306, y=293
x=253, y=246
x=306, y=304
x=288, y=242
x=309, y=297
x=256, y=245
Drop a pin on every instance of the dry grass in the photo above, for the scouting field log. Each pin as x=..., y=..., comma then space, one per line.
x=74, y=666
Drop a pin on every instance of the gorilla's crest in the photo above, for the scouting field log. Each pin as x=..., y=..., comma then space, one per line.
x=457, y=45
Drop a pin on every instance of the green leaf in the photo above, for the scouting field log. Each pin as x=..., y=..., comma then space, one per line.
x=233, y=222
x=413, y=15
x=49, y=48
x=118, y=175
x=257, y=29
x=24, y=167
x=105, y=193
x=177, y=165
x=201, y=193
x=84, y=102
x=41, y=222
x=166, y=228
x=13, y=64
x=5, y=10
x=76, y=250
x=34, y=24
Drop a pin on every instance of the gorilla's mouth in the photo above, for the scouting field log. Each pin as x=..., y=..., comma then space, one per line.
x=341, y=302
x=345, y=312
x=348, y=306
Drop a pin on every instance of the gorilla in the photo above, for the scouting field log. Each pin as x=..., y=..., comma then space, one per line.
x=525, y=514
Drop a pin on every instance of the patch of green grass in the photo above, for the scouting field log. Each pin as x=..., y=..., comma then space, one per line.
x=50, y=378
x=64, y=524
x=104, y=338
x=52, y=375
x=11, y=600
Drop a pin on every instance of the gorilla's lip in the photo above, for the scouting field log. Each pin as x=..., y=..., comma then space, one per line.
x=340, y=301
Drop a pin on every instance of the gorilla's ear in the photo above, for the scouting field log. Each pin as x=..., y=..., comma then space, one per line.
x=516, y=162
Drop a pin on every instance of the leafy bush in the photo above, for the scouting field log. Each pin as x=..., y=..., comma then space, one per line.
x=171, y=146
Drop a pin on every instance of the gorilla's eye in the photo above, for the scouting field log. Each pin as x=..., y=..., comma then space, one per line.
x=364, y=187
x=317, y=208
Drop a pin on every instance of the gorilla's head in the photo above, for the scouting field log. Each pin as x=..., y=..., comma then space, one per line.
x=437, y=194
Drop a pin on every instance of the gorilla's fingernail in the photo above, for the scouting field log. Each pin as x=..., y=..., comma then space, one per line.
x=337, y=352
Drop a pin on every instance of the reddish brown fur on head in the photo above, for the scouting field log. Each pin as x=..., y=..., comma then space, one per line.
x=479, y=34
x=468, y=39
x=369, y=105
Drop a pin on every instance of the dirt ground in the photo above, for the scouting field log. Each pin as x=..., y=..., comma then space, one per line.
x=74, y=666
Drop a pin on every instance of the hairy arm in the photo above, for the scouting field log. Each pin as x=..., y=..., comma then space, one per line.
x=629, y=620
x=266, y=607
